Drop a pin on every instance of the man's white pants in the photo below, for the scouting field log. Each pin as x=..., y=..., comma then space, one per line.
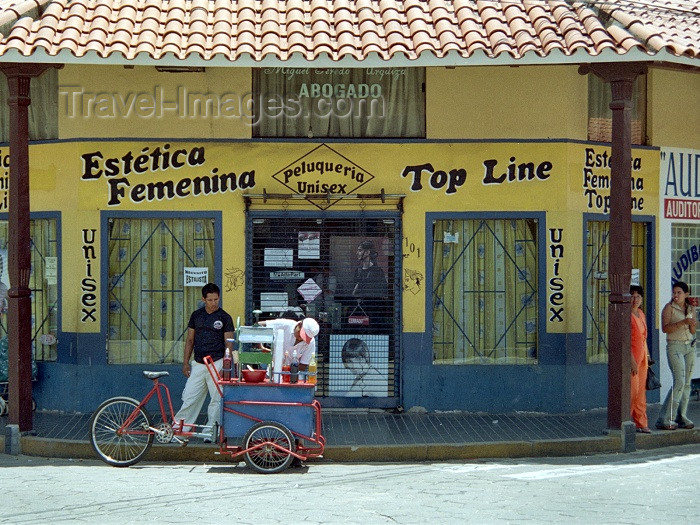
x=195, y=392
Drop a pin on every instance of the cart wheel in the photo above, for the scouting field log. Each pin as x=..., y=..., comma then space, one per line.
x=125, y=448
x=268, y=459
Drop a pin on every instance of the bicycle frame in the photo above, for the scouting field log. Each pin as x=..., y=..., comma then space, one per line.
x=162, y=393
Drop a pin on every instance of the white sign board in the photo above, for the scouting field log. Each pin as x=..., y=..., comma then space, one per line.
x=279, y=257
x=635, y=277
x=195, y=276
x=51, y=270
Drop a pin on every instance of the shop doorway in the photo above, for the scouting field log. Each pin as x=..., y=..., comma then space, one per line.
x=341, y=270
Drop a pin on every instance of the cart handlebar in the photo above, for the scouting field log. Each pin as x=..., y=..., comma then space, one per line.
x=214, y=373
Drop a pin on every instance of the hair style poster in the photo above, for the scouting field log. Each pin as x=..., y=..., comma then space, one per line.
x=346, y=256
x=359, y=365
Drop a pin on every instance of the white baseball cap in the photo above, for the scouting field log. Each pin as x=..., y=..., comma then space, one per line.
x=309, y=329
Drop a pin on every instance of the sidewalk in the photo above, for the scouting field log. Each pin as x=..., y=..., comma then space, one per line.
x=369, y=436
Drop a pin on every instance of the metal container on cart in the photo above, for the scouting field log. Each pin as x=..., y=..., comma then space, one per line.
x=244, y=403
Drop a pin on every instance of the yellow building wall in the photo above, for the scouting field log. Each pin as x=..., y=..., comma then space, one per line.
x=566, y=180
x=673, y=108
x=506, y=103
x=111, y=101
x=463, y=103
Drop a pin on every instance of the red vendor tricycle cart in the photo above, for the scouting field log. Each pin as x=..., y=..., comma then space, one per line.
x=268, y=423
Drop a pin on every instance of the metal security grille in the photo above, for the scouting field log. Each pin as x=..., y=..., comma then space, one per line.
x=149, y=305
x=343, y=272
x=43, y=284
x=685, y=252
x=485, y=304
x=597, y=287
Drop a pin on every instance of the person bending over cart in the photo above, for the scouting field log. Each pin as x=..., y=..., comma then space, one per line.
x=209, y=332
x=299, y=336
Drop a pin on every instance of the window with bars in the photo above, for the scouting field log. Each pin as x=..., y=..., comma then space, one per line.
x=149, y=305
x=343, y=272
x=597, y=286
x=685, y=255
x=43, y=285
x=485, y=291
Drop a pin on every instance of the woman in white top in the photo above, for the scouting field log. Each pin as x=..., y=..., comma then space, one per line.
x=678, y=323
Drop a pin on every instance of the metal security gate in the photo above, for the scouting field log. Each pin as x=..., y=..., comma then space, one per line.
x=43, y=282
x=485, y=304
x=149, y=305
x=597, y=291
x=343, y=271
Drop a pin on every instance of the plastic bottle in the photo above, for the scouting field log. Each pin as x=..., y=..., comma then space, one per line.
x=294, y=368
x=313, y=369
x=285, y=368
x=226, y=369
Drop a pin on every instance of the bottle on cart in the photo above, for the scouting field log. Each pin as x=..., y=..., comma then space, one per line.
x=227, y=366
x=294, y=368
x=313, y=369
x=285, y=367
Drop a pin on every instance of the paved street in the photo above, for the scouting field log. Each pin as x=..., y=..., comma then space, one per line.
x=650, y=486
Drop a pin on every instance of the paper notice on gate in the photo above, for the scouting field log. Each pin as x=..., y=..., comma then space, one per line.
x=51, y=270
x=309, y=290
x=309, y=245
x=195, y=276
x=278, y=257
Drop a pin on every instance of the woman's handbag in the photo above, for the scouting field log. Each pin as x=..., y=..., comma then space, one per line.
x=652, y=381
x=358, y=319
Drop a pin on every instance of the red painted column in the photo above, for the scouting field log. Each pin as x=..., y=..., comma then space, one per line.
x=621, y=78
x=19, y=251
x=620, y=255
x=19, y=311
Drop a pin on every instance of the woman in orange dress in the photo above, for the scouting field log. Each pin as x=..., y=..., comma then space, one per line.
x=640, y=362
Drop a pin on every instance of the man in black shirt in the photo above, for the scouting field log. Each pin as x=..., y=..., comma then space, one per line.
x=208, y=334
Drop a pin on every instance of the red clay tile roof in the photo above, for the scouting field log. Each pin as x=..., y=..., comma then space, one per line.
x=225, y=31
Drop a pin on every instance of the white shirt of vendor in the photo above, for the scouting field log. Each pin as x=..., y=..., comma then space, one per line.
x=304, y=350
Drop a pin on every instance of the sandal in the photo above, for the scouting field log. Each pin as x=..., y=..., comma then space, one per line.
x=645, y=430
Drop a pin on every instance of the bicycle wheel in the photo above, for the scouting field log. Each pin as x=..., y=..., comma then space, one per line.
x=267, y=458
x=125, y=447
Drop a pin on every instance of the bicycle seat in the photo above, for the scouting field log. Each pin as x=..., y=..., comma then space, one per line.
x=155, y=375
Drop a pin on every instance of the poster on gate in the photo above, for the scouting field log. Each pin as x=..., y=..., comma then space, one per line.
x=359, y=365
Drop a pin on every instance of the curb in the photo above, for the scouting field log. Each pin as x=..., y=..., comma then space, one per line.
x=54, y=448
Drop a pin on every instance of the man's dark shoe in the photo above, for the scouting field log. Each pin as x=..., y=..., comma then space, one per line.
x=686, y=426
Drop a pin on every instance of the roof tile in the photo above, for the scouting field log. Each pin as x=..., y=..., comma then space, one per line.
x=347, y=28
